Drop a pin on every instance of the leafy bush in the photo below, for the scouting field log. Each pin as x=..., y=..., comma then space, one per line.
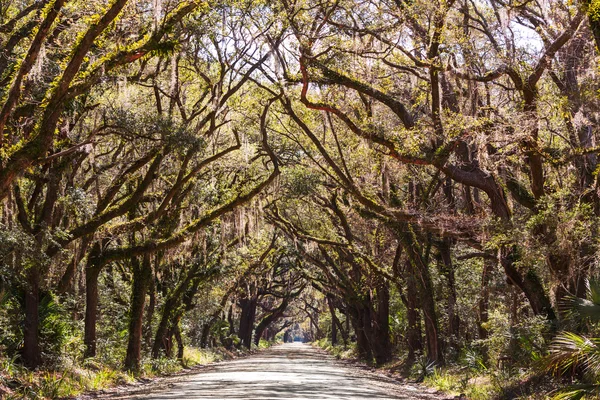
x=60, y=337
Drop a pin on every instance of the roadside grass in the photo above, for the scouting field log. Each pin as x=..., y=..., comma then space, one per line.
x=265, y=344
x=454, y=382
x=339, y=351
x=495, y=384
x=16, y=382
x=474, y=381
x=194, y=356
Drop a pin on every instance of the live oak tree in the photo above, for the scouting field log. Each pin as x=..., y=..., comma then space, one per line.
x=397, y=173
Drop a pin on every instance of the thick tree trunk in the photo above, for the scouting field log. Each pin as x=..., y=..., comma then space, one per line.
x=205, y=334
x=268, y=320
x=339, y=326
x=434, y=345
x=529, y=283
x=31, y=345
x=423, y=278
x=362, y=342
x=448, y=271
x=344, y=332
x=334, y=336
x=178, y=297
x=142, y=274
x=372, y=328
x=179, y=339
x=248, y=306
x=92, y=272
x=167, y=344
x=314, y=319
x=230, y=320
x=381, y=340
x=368, y=330
x=410, y=300
x=150, y=311
x=160, y=338
x=206, y=328
x=413, y=318
x=334, y=321
x=91, y=310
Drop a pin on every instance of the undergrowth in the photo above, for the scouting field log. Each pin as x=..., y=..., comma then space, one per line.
x=468, y=376
x=16, y=382
x=339, y=351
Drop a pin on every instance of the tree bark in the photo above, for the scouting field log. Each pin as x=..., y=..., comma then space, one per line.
x=248, y=306
x=92, y=272
x=362, y=342
x=334, y=321
x=150, y=311
x=383, y=347
x=423, y=278
x=448, y=271
x=205, y=334
x=269, y=319
x=160, y=338
x=529, y=283
x=142, y=274
x=31, y=345
x=413, y=318
x=179, y=339
x=484, y=299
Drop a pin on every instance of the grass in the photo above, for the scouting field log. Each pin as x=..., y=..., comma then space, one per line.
x=492, y=384
x=474, y=381
x=193, y=356
x=16, y=382
x=264, y=344
x=339, y=350
x=455, y=382
x=20, y=383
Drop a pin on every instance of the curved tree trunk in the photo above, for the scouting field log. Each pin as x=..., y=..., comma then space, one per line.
x=269, y=319
x=160, y=338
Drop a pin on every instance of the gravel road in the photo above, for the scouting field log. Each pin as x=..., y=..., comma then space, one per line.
x=288, y=371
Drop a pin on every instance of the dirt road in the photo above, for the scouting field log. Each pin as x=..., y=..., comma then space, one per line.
x=289, y=371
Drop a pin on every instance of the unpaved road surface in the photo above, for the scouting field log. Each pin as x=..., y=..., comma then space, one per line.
x=288, y=371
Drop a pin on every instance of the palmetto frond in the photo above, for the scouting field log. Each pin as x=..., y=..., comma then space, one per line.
x=585, y=308
x=578, y=392
x=569, y=350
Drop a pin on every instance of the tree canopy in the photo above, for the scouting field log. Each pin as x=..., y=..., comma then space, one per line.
x=416, y=177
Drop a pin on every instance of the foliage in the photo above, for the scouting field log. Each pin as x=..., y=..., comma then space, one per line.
x=572, y=354
x=414, y=184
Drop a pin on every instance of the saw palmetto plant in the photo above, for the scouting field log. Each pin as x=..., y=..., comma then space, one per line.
x=572, y=353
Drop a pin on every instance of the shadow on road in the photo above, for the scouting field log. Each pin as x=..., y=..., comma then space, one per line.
x=289, y=371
